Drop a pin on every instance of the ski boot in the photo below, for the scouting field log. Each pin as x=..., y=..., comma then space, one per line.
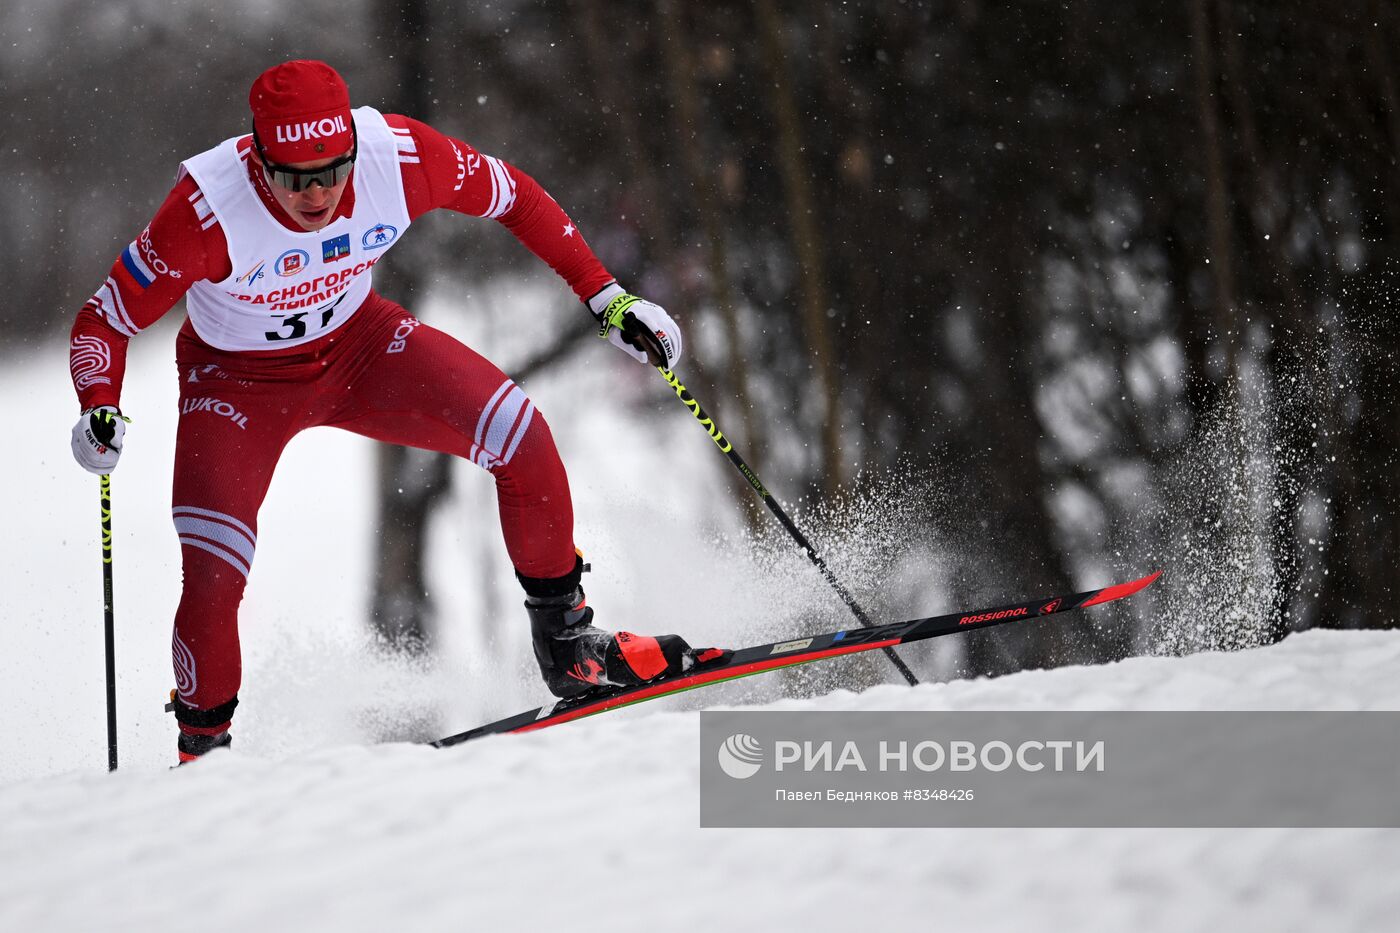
x=192, y=747
x=201, y=731
x=576, y=656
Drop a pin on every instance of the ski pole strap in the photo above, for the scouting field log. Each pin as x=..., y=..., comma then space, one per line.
x=612, y=313
x=104, y=423
x=109, y=415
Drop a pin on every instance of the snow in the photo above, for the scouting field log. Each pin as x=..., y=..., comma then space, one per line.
x=309, y=824
x=593, y=826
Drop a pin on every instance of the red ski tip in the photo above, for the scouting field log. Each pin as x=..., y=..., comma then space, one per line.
x=1110, y=593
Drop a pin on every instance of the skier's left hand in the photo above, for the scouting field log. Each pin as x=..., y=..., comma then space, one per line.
x=97, y=439
x=642, y=330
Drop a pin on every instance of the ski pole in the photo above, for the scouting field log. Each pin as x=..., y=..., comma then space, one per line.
x=110, y=623
x=728, y=450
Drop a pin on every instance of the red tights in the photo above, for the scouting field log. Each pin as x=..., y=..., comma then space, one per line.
x=383, y=375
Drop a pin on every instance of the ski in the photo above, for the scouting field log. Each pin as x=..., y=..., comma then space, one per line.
x=746, y=662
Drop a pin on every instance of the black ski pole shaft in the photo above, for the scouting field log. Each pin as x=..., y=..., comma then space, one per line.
x=728, y=450
x=110, y=622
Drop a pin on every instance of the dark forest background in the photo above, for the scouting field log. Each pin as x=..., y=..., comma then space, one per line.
x=1124, y=274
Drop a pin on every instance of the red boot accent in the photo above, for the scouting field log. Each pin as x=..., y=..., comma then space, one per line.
x=591, y=675
x=642, y=653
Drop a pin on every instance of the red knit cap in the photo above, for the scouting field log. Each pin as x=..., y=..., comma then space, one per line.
x=301, y=112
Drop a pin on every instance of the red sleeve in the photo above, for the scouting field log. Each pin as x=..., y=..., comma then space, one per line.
x=149, y=276
x=439, y=171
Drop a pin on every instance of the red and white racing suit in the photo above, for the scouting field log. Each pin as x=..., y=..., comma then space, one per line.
x=284, y=333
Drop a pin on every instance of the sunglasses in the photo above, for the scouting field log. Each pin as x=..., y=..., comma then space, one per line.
x=299, y=179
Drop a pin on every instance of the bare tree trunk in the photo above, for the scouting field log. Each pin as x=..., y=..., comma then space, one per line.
x=1007, y=426
x=1229, y=409
x=411, y=483
x=705, y=195
x=1381, y=64
x=807, y=242
x=653, y=219
x=606, y=67
x=1359, y=588
x=859, y=215
x=1217, y=197
x=1271, y=276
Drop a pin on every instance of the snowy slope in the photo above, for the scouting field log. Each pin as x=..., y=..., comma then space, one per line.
x=593, y=826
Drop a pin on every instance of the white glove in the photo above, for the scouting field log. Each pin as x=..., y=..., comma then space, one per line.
x=97, y=439
x=642, y=330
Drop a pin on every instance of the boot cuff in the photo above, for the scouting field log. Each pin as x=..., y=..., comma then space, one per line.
x=550, y=588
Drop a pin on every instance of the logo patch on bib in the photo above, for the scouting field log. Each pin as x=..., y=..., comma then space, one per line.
x=292, y=262
x=378, y=236
x=335, y=248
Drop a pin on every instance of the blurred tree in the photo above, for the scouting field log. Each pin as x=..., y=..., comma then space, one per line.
x=800, y=216
x=412, y=484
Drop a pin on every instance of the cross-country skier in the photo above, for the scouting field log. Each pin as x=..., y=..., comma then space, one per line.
x=271, y=238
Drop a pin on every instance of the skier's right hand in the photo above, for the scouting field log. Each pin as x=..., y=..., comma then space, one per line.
x=97, y=439
x=639, y=328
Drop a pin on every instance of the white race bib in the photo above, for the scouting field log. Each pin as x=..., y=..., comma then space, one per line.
x=290, y=287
